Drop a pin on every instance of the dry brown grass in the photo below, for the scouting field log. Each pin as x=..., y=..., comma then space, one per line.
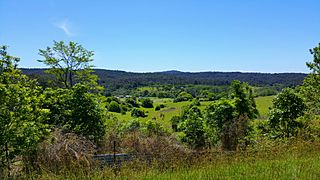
x=66, y=150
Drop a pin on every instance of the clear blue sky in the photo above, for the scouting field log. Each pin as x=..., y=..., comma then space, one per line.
x=156, y=35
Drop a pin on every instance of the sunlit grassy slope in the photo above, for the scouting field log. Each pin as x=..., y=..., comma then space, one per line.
x=172, y=109
x=263, y=105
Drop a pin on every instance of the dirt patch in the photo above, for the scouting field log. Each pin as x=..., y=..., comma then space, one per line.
x=169, y=110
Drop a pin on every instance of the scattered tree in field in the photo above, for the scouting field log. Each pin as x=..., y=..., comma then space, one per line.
x=69, y=63
x=114, y=107
x=135, y=112
x=287, y=107
x=157, y=108
x=21, y=118
x=146, y=103
x=133, y=102
x=183, y=96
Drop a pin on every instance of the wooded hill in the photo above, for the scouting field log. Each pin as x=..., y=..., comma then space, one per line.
x=113, y=79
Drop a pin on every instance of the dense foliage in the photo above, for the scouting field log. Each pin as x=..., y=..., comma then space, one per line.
x=68, y=63
x=21, y=116
x=287, y=107
x=122, y=83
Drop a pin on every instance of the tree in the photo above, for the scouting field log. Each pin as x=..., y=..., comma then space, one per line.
x=146, y=103
x=183, y=96
x=69, y=63
x=310, y=89
x=21, y=116
x=219, y=121
x=135, y=112
x=88, y=116
x=7, y=62
x=191, y=125
x=114, y=107
x=287, y=107
x=77, y=110
x=244, y=100
x=230, y=117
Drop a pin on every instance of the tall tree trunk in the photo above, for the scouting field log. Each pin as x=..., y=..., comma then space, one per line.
x=71, y=78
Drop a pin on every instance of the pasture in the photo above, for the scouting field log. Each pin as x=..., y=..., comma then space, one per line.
x=173, y=109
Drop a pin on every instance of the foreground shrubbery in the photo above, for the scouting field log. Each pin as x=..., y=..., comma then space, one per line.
x=269, y=160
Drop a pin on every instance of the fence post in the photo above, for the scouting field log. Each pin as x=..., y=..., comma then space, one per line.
x=114, y=158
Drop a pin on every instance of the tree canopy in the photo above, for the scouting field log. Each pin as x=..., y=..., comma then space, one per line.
x=69, y=63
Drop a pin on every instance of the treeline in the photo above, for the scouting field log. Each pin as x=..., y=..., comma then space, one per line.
x=122, y=81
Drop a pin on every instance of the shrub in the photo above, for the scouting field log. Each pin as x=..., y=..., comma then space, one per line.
x=114, y=107
x=146, y=103
x=138, y=113
x=287, y=107
x=132, y=101
x=183, y=96
x=157, y=108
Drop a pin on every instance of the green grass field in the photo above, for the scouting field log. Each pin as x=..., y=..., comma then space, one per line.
x=172, y=109
x=263, y=105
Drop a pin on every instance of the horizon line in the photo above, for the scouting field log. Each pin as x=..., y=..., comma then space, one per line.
x=175, y=70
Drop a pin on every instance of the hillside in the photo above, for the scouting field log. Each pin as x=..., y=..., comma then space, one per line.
x=113, y=79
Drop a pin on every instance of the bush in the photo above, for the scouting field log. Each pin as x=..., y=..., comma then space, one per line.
x=133, y=102
x=157, y=108
x=138, y=113
x=183, y=96
x=195, y=102
x=287, y=107
x=114, y=107
x=146, y=103
x=124, y=108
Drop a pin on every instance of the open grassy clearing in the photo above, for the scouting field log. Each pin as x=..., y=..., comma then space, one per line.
x=263, y=105
x=173, y=109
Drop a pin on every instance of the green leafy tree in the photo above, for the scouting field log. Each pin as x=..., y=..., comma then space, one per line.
x=77, y=110
x=135, y=112
x=244, y=99
x=133, y=102
x=192, y=126
x=7, y=62
x=219, y=120
x=21, y=118
x=114, y=107
x=69, y=63
x=146, y=103
x=230, y=117
x=310, y=89
x=183, y=96
x=287, y=107
x=88, y=116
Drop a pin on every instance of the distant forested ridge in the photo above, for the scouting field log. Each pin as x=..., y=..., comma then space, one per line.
x=113, y=79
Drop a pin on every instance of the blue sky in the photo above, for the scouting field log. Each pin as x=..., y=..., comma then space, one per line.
x=157, y=35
